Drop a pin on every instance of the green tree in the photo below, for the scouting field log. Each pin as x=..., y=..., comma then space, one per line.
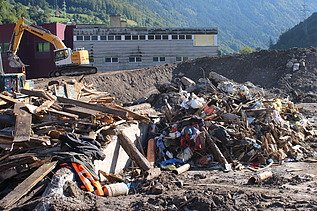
x=7, y=13
x=64, y=8
x=246, y=49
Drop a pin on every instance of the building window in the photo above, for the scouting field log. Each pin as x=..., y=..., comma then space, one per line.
x=165, y=37
x=112, y=60
x=175, y=37
x=86, y=38
x=94, y=37
x=189, y=37
x=127, y=37
x=43, y=47
x=118, y=37
x=135, y=37
x=158, y=59
x=181, y=37
x=180, y=58
x=4, y=47
x=158, y=37
x=111, y=37
x=80, y=38
x=142, y=37
x=150, y=37
x=103, y=37
x=135, y=59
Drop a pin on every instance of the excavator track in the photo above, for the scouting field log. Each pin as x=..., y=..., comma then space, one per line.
x=73, y=70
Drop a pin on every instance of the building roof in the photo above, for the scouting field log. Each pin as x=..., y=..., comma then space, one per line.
x=104, y=30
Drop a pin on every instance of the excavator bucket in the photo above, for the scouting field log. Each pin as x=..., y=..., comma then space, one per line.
x=15, y=61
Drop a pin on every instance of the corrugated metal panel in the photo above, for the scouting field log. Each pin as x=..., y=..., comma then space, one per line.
x=147, y=49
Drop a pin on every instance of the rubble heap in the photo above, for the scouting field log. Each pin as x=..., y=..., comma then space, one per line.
x=224, y=124
x=55, y=136
x=53, y=130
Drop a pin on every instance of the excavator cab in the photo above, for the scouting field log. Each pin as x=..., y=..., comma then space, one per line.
x=63, y=56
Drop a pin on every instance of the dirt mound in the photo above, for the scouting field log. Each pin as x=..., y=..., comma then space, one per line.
x=275, y=70
x=269, y=69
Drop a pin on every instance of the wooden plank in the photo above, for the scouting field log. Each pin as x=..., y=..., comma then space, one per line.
x=9, y=99
x=73, y=116
x=6, y=139
x=11, y=172
x=13, y=163
x=133, y=114
x=102, y=100
x=100, y=108
x=83, y=112
x=38, y=93
x=70, y=91
x=133, y=152
x=216, y=151
x=151, y=151
x=42, y=94
x=22, y=130
x=24, y=187
x=45, y=106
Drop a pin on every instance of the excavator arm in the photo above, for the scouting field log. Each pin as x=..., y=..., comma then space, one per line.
x=17, y=35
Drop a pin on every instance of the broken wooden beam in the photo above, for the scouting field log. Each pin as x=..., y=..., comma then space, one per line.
x=38, y=93
x=23, y=122
x=133, y=114
x=15, y=162
x=80, y=111
x=216, y=151
x=133, y=152
x=100, y=108
x=151, y=151
x=9, y=99
x=63, y=113
x=24, y=187
x=18, y=169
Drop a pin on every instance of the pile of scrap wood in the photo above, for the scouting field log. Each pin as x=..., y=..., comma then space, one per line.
x=42, y=129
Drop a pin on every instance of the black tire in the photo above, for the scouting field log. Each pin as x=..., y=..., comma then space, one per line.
x=51, y=75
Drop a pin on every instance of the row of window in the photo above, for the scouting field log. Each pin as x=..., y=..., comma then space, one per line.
x=139, y=59
x=135, y=37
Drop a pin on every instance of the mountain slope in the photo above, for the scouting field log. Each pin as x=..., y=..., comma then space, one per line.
x=303, y=35
x=240, y=22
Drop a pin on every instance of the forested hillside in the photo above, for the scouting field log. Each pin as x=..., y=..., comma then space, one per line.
x=240, y=22
x=303, y=35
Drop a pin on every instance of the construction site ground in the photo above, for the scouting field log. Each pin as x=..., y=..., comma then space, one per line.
x=293, y=185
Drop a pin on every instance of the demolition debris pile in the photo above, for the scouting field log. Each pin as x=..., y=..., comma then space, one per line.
x=226, y=125
x=53, y=137
x=58, y=128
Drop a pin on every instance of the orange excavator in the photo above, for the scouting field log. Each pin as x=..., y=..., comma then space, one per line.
x=67, y=62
